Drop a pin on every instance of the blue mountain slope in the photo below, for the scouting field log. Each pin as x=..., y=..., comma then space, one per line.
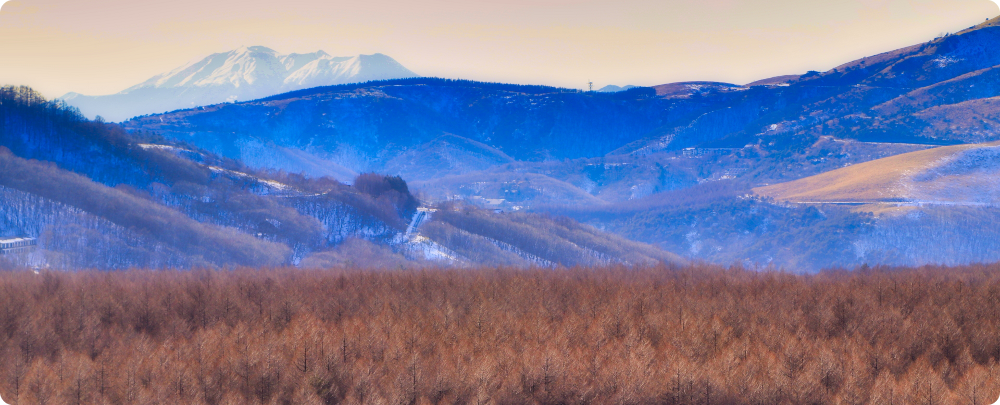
x=652, y=145
x=140, y=200
x=365, y=126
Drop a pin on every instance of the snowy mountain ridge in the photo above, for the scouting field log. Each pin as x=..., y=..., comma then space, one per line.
x=244, y=73
x=265, y=67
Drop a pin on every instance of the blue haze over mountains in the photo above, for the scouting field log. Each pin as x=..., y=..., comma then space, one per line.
x=671, y=167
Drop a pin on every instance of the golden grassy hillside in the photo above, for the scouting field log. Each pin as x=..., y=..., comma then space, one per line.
x=949, y=174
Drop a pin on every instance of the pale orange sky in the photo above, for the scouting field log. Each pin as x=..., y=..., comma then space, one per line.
x=103, y=46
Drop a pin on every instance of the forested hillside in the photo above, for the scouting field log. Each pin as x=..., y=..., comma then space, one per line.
x=700, y=335
x=74, y=239
x=98, y=196
x=212, y=210
x=533, y=239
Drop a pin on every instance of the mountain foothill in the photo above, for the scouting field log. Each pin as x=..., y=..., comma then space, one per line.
x=252, y=157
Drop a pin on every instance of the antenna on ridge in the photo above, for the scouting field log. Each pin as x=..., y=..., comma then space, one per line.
x=591, y=84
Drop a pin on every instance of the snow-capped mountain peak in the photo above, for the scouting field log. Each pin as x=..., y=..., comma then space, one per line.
x=295, y=61
x=245, y=73
x=264, y=67
x=239, y=67
x=332, y=69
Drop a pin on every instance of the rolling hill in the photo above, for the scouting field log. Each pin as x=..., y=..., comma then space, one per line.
x=949, y=175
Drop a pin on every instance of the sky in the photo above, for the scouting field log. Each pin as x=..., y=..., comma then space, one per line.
x=98, y=47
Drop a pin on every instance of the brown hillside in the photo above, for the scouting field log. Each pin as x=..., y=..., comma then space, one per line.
x=883, y=180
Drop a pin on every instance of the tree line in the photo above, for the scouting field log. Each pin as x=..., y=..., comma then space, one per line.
x=657, y=335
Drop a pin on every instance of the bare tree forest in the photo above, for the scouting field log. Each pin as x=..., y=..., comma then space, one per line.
x=658, y=335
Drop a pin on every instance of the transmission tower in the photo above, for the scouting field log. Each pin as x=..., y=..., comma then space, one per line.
x=591, y=84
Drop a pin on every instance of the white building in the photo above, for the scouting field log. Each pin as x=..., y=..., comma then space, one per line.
x=17, y=245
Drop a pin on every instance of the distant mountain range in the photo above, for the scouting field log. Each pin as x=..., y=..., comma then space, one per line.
x=242, y=74
x=674, y=165
x=614, y=89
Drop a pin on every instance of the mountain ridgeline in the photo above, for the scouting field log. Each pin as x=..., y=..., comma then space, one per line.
x=644, y=162
x=936, y=93
x=364, y=126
